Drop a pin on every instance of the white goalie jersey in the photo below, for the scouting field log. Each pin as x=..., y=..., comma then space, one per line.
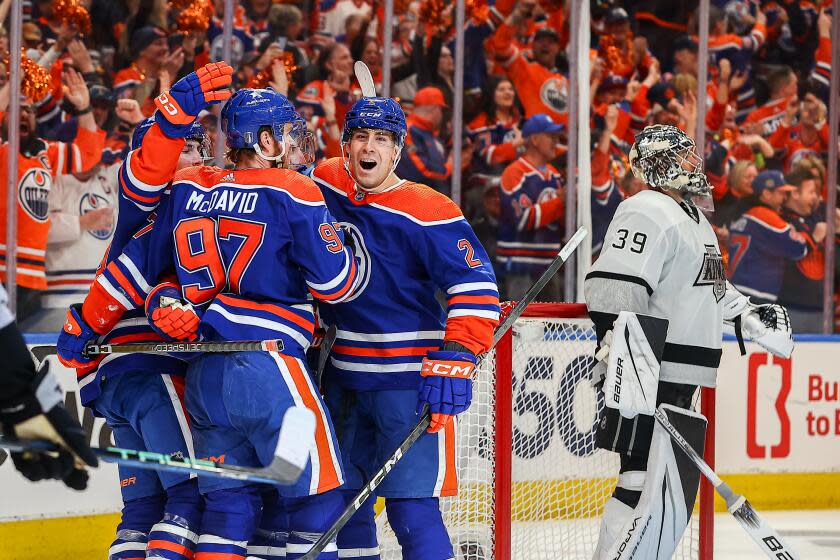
x=661, y=257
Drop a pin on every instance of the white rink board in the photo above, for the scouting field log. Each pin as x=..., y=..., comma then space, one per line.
x=783, y=440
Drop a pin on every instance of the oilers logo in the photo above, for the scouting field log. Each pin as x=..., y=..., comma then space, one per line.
x=33, y=192
x=95, y=202
x=553, y=94
x=353, y=237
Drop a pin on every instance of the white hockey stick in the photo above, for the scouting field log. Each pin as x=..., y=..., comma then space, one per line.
x=765, y=536
x=365, y=79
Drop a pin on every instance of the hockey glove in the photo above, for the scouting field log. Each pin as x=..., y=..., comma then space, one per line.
x=446, y=386
x=40, y=414
x=169, y=316
x=179, y=107
x=74, y=338
x=769, y=327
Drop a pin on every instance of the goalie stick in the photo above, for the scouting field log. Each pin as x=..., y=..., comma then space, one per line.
x=290, y=457
x=766, y=537
x=425, y=420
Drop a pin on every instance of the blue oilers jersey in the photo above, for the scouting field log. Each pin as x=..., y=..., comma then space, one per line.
x=412, y=243
x=250, y=247
x=142, y=180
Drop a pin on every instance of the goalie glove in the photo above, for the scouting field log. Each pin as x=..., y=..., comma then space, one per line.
x=767, y=325
x=169, y=316
x=40, y=414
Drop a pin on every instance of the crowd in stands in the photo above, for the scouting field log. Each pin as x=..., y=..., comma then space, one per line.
x=766, y=122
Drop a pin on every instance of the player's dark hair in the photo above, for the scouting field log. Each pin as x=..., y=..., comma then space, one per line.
x=235, y=154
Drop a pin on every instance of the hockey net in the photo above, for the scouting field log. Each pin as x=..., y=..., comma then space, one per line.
x=532, y=484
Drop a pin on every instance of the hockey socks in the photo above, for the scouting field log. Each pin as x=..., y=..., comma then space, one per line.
x=269, y=542
x=419, y=527
x=174, y=537
x=229, y=520
x=309, y=518
x=357, y=539
x=138, y=516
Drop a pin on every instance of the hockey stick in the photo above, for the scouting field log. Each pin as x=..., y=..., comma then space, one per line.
x=765, y=536
x=41, y=352
x=324, y=353
x=365, y=79
x=290, y=457
x=424, y=422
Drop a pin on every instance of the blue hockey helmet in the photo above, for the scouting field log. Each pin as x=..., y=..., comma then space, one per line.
x=248, y=110
x=378, y=113
x=196, y=132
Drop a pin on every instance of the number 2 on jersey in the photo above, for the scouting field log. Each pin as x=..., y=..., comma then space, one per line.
x=197, y=249
x=465, y=245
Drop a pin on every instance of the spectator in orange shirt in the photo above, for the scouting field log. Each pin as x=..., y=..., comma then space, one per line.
x=540, y=85
x=783, y=84
x=810, y=136
x=335, y=65
x=495, y=131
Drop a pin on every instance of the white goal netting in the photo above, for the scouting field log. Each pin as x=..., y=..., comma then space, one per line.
x=559, y=480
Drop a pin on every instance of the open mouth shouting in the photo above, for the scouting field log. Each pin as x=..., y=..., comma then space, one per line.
x=367, y=164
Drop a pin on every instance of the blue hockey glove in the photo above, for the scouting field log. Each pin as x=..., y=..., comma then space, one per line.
x=446, y=386
x=169, y=316
x=74, y=338
x=179, y=107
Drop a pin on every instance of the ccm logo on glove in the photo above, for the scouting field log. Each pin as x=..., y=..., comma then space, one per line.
x=458, y=369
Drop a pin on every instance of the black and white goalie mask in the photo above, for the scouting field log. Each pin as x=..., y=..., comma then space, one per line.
x=663, y=156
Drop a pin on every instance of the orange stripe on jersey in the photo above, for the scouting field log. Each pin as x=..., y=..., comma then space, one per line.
x=351, y=278
x=327, y=475
x=125, y=284
x=286, y=180
x=268, y=308
x=131, y=194
x=218, y=556
x=171, y=546
x=768, y=216
x=384, y=352
x=492, y=300
x=450, y=477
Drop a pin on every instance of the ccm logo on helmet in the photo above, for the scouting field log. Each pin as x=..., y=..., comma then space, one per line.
x=375, y=114
x=447, y=369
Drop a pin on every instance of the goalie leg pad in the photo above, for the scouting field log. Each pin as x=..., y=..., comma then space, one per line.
x=654, y=528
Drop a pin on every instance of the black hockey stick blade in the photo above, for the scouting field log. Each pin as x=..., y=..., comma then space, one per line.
x=290, y=456
x=425, y=419
x=41, y=352
x=324, y=353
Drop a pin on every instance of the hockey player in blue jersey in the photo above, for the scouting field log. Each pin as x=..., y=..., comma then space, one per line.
x=141, y=395
x=397, y=350
x=250, y=248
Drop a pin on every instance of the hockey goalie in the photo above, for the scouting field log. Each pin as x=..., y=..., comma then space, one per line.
x=659, y=298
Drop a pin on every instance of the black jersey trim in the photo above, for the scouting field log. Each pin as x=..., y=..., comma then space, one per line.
x=691, y=355
x=621, y=278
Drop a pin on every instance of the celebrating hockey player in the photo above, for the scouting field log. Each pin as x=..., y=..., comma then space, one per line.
x=660, y=270
x=397, y=350
x=250, y=247
x=141, y=395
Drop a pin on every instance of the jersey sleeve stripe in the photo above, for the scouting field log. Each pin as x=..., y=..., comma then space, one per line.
x=120, y=281
x=114, y=292
x=493, y=300
x=132, y=178
x=326, y=286
x=486, y=314
x=621, y=278
x=383, y=352
x=129, y=192
x=260, y=322
x=472, y=286
x=131, y=268
x=304, y=323
x=344, y=292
